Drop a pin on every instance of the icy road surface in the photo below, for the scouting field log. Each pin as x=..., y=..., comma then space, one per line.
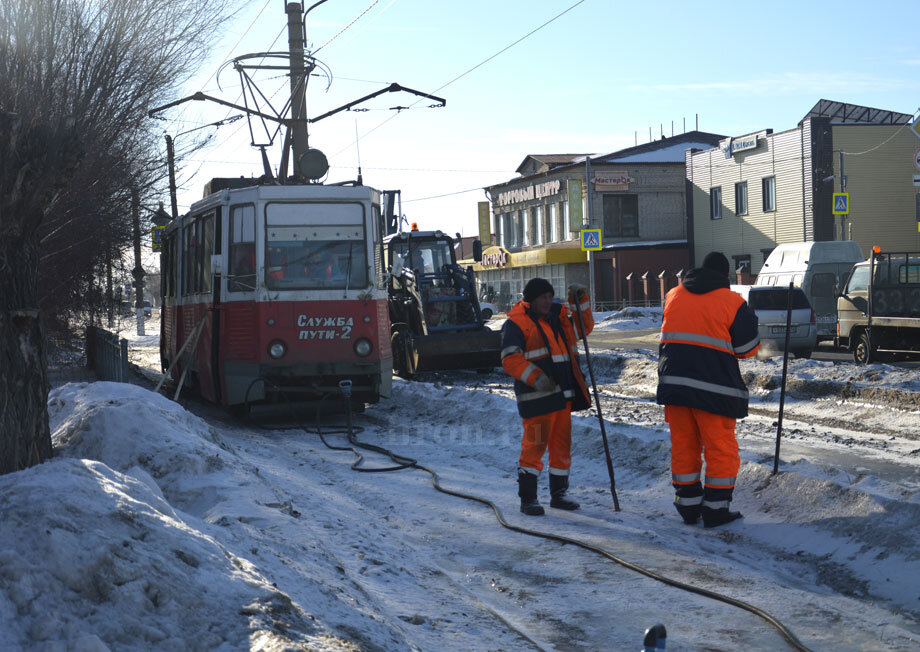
x=161, y=527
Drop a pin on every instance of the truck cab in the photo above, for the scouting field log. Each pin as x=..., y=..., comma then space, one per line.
x=879, y=307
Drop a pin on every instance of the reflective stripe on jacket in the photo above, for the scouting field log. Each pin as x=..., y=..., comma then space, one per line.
x=704, y=333
x=532, y=347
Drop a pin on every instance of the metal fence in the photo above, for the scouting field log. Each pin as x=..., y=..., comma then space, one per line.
x=107, y=355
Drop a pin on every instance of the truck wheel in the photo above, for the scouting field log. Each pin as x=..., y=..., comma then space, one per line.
x=400, y=356
x=802, y=354
x=863, y=352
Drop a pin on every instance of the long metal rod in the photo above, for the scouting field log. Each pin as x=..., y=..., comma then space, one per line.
x=782, y=389
x=597, y=403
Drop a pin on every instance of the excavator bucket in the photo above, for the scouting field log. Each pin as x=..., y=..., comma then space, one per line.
x=480, y=349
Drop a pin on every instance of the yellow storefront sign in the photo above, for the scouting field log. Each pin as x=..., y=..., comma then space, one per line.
x=499, y=258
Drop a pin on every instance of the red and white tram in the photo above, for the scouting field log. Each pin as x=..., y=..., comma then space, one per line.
x=277, y=289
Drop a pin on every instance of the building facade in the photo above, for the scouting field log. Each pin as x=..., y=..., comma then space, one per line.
x=635, y=196
x=756, y=191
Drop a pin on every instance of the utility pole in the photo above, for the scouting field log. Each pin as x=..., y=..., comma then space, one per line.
x=298, y=128
x=171, y=165
x=843, y=188
x=590, y=220
x=138, y=271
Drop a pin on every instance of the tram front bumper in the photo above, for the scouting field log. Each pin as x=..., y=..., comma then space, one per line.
x=249, y=382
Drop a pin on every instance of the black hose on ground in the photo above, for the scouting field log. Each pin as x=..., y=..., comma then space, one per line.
x=403, y=462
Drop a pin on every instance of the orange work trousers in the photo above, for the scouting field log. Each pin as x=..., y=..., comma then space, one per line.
x=695, y=432
x=553, y=429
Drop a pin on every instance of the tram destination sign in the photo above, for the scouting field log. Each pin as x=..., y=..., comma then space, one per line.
x=325, y=328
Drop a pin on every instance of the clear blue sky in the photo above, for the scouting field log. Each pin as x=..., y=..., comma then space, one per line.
x=587, y=82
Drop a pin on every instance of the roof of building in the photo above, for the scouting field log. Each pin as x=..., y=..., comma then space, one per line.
x=843, y=113
x=550, y=160
x=665, y=150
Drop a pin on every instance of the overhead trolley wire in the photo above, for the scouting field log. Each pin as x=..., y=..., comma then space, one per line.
x=339, y=33
x=464, y=74
x=238, y=41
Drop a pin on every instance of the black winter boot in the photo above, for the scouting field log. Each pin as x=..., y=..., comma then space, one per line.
x=717, y=517
x=715, y=507
x=558, y=485
x=527, y=490
x=687, y=500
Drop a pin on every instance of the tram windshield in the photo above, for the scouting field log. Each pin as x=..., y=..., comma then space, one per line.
x=315, y=247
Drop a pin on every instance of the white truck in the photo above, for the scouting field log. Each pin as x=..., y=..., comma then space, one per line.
x=879, y=313
x=819, y=268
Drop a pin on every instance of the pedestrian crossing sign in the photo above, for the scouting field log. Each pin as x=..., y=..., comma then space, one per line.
x=841, y=203
x=591, y=240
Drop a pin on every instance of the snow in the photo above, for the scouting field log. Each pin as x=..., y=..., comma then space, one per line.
x=167, y=526
x=633, y=318
x=670, y=154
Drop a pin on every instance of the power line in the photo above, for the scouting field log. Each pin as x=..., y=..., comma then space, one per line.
x=339, y=33
x=239, y=40
x=448, y=194
x=478, y=65
x=883, y=143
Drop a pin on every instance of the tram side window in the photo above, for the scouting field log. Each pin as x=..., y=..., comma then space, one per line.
x=242, y=249
x=186, y=259
x=192, y=267
x=169, y=249
x=207, y=248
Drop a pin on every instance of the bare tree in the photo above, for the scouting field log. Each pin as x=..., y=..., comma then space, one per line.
x=76, y=80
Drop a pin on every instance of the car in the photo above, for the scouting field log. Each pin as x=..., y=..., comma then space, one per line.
x=488, y=310
x=148, y=310
x=769, y=303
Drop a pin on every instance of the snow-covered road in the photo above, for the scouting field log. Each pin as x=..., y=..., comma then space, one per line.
x=161, y=527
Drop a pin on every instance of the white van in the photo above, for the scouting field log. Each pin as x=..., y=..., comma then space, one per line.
x=818, y=268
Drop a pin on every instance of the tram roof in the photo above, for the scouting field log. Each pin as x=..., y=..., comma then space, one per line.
x=289, y=192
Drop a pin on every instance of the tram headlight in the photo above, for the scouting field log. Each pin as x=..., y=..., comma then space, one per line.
x=363, y=347
x=277, y=349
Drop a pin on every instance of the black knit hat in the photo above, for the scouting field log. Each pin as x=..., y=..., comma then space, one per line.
x=717, y=262
x=535, y=287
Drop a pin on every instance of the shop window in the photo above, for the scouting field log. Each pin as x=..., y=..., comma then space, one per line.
x=523, y=228
x=539, y=232
x=715, y=203
x=552, y=221
x=741, y=198
x=621, y=216
x=564, y=216
x=769, y=194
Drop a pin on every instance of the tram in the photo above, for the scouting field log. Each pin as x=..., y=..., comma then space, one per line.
x=275, y=293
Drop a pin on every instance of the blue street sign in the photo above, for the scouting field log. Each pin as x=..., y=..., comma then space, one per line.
x=841, y=203
x=158, y=237
x=591, y=240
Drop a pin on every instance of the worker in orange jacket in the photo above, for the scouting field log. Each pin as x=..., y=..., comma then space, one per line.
x=540, y=351
x=706, y=329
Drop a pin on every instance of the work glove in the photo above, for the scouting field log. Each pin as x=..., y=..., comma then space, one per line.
x=577, y=293
x=544, y=383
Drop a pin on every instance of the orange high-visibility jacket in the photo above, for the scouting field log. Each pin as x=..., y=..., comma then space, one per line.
x=534, y=346
x=706, y=329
